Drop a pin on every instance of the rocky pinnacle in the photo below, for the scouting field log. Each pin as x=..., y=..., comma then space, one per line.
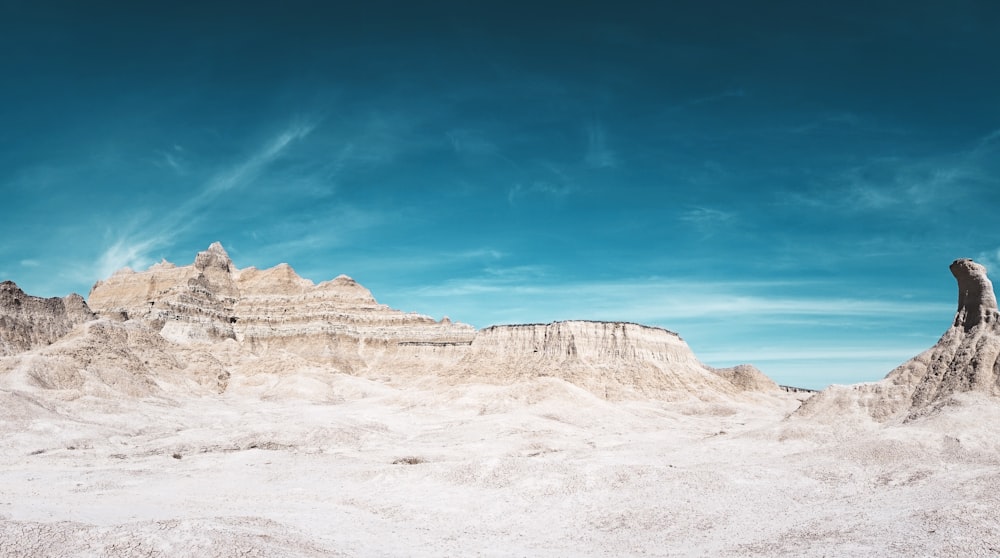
x=976, y=301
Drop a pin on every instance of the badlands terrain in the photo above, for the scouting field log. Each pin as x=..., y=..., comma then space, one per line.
x=207, y=410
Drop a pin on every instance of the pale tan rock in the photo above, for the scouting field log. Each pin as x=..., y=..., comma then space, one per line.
x=107, y=358
x=272, y=332
x=613, y=360
x=965, y=359
x=747, y=377
x=337, y=322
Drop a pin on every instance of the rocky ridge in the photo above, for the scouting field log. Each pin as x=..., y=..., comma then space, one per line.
x=211, y=325
x=336, y=322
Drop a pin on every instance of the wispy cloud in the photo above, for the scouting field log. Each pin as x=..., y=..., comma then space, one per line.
x=658, y=300
x=599, y=155
x=249, y=169
x=172, y=159
x=470, y=142
x=990, y=259
x=538, y=187
x=707, y=220
x=706, y=216
x=846, y=353
x=989, y=142
x=128, y=252
x=734, y=93
x=826, y=122
x=30, y=263
x=907, y=185
x=133, y=247
x=554, y=184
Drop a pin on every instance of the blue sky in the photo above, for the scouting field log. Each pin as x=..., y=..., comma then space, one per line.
x=782, y=183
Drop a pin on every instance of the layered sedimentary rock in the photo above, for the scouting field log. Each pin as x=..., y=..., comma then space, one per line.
x=211, y=325
x=611, y=359
x=28, y=321
x=110, y=358
x=965, y=359
x=335, y=322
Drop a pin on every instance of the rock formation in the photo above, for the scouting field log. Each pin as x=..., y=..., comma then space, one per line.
x=28, y=321
x=210, y=326
x=965, y=359
x=976, y=302
x=748, y=378
x=336, y=322
x=611, y=359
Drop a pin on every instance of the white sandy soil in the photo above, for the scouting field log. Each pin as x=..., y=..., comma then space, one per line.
x=540, y=468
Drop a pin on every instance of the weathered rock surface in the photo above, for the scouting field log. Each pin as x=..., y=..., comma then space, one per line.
x=211, y=326
x=28, y=321
x=747, y=377
x=336, y=322
x=965, y=359
x=610, y=359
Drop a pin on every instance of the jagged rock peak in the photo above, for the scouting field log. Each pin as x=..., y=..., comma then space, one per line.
x=976, y=301
x=215, y=256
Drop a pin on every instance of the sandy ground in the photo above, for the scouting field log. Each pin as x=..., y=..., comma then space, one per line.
x=534, y=469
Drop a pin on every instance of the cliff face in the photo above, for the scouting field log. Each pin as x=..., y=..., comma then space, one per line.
x=611, y=359
x=965, y=359
x=28, y=321
x=596, y=342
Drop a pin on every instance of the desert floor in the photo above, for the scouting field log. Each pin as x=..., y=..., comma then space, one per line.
x=534, y=469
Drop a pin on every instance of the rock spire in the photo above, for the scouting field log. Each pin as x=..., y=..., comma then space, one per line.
x=976, y=301
x=966, y=359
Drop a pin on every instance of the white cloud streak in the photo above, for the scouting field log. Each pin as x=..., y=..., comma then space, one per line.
x=599, y=155
x=909, y=185
x=134, y=248
x=656, y=301
x=707, y=220
x=807, y=354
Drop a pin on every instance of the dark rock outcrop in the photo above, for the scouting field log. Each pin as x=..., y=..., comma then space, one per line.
x=28, y=321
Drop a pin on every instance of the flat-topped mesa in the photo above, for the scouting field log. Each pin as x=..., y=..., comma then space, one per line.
x=29, y=321
x=976, y=301
x=593, y=341
x=612, y=359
